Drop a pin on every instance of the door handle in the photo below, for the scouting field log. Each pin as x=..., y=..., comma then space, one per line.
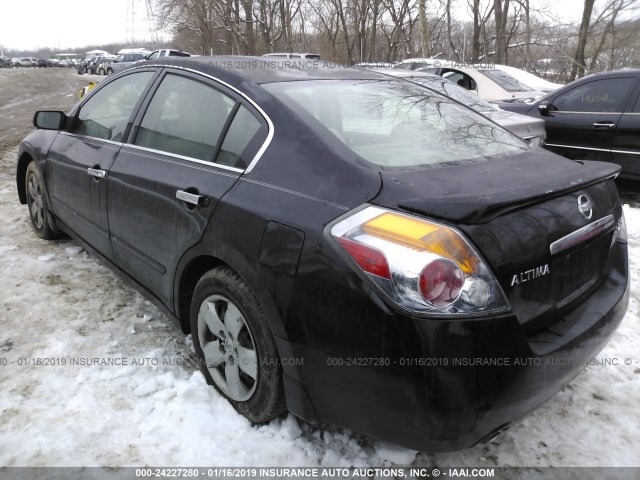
x=192, y=198
x=604, y=125
x=94, y=172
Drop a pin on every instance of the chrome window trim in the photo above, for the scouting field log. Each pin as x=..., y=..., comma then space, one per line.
x=270, y=126
x=580, y=148
x=182, y=157
x=628, y=152
x=585, y=113
x=88, y=137
x=582, y=234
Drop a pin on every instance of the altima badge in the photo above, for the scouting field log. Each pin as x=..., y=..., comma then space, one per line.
x=584, y=207
x=529, y=275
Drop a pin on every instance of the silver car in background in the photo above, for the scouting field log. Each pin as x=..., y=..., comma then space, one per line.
x=528, y=128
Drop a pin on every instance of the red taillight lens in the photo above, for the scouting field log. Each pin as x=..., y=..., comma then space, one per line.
x=441, y=282
x=421, y=265
x=370, y=259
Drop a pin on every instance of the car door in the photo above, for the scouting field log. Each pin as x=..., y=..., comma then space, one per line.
x=626, y=142
x=581, y=122
x=186, y=151
x=80, y=158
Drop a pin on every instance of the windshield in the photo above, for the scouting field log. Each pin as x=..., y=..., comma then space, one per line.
x=506, y=81
x=396, y=123
x=456, y=92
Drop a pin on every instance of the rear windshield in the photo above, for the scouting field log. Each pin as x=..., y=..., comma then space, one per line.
x=506, y=81
x=396, y=123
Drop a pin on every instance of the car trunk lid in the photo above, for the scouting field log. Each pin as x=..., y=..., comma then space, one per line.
x=545, y=227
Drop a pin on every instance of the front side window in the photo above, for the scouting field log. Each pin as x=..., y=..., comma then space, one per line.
x=603, y=95
x=396, y=123
x=185, y=117
x=106, y=113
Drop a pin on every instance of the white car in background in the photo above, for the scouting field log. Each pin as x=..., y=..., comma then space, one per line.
x=529, y=79
x=486, y=82
x=421, y=62
x=528, y=128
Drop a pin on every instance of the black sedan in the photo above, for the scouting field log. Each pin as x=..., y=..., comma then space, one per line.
x=350, y=247
x=594, y=118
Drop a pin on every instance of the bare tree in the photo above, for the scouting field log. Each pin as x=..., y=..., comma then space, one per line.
x=577, y=70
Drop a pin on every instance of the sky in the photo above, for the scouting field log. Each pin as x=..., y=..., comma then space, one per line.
x=65, y=24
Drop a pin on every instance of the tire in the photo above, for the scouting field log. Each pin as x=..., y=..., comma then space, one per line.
x=101, y=71
x=242, y=361
x=109, y=71
x=41, y=219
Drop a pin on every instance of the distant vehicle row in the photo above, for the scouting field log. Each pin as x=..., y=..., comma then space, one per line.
x=110, y=64
x=6, y=62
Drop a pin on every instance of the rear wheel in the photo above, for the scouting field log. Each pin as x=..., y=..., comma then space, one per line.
x=233, y=341
x=109, y=71
x=101, y=71
x=41, y=219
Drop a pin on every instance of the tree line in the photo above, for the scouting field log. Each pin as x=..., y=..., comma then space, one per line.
x=522, y=33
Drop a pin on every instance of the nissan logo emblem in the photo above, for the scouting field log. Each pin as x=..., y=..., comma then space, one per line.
x=584, y=207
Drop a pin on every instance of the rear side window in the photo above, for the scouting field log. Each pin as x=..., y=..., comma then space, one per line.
x=241, y=131
x=605, y=95
x=185, y=117
x=106, y=113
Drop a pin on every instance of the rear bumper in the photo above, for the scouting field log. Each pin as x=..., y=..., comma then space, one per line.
x=444, y=385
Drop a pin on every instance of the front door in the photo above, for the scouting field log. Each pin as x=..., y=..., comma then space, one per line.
x=582, y=121
x=80, y=159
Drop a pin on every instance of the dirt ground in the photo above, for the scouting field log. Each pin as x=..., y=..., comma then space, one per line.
x=23, y=91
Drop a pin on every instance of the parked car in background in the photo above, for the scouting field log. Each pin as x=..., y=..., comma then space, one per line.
x=44, y=63
x=166, y=52
x=348, y=246
x=103, y=67
x=488, y=83
x=416, y=63
x=126, y=60
x=99, y=62
x=305, y=56
x=527, y=128
x=594, y=118
x=529, y=79
x=5, y=62
x=23, y=62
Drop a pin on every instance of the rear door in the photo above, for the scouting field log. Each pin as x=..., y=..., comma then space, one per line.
x=582, y=121
x=190, y=145
x=80, y=158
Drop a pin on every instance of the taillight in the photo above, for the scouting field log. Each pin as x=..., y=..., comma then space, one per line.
x=421, y=265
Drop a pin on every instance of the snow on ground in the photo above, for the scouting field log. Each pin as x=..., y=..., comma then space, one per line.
x=152, y=408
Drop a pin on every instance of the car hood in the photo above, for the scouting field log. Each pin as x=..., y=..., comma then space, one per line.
x=473, y=192
x=521, y=125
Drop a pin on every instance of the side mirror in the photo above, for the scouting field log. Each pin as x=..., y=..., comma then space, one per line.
x=544, y=107
x=49, y=120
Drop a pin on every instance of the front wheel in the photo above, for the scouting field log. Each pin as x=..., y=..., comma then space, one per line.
x=233, y=341
x=109, y=71
x=41, y=219
x=101, y=71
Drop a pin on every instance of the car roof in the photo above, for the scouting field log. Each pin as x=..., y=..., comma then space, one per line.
x=267, y=69
x=401, y=73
